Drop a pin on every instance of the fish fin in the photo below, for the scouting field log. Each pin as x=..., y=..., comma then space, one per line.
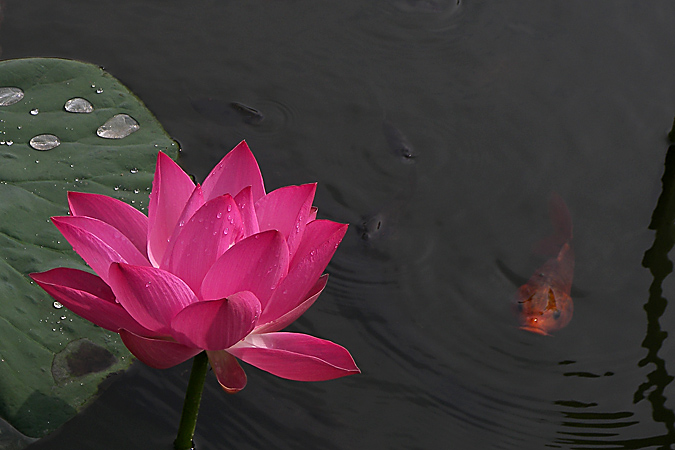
x=513, y=277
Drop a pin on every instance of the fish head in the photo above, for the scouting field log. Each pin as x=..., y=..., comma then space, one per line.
x=543, y=309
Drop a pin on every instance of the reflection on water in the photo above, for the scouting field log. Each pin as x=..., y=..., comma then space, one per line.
x=657, y=261
x=599, y=429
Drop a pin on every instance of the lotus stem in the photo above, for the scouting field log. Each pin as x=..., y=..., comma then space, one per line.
x=193, y=396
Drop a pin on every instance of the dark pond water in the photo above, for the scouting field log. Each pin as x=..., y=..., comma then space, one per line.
x=439, y=130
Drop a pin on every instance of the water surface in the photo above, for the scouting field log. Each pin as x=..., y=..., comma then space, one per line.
x=502, y=104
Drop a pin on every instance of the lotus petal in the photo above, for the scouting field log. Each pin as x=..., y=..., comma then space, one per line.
x=193, y=204
x=150, y=295
x=88, y=296
x=312, y=214
x=98, y=243
x=317, y=248
x=286, y=209
x=296, y=356
x=171, y=189
x=317, y=234
x=231, y=376
x=254, y=264
x=233, y=173
x=128, y=220
x=290, y=317
x=216, y=324
x=157, y=353
x=244, y=200
x=207, y=235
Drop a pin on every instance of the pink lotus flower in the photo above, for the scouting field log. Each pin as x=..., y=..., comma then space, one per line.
x=220, y=267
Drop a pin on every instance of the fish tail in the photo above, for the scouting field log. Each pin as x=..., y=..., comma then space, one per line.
x=560, y=218
x=562, y=227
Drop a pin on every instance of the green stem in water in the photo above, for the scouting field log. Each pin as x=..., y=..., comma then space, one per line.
x=193, y=396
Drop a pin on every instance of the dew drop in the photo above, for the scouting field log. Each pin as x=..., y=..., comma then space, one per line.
x=44, y=142
x=78, y=105
x=10, y=95
x=63, y=317
x=34, y=112
x=57, y=305
x=147, y=285
x=117, y=127
x=229, y=208
x=226, y=230
x=219, y=215
x=134, y=170
x=99, y=91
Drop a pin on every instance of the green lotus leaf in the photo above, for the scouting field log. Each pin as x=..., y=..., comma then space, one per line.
x=51, y=361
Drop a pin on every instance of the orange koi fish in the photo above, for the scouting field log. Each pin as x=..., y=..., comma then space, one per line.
x=544, y=304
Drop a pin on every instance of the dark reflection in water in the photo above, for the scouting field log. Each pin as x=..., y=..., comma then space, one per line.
x=657, y=261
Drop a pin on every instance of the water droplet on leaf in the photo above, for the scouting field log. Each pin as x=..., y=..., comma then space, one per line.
x=44, y=142
x=117, y=127
x=57, y=305
x=34, y=112
x=78, y=105
x=10, y=95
